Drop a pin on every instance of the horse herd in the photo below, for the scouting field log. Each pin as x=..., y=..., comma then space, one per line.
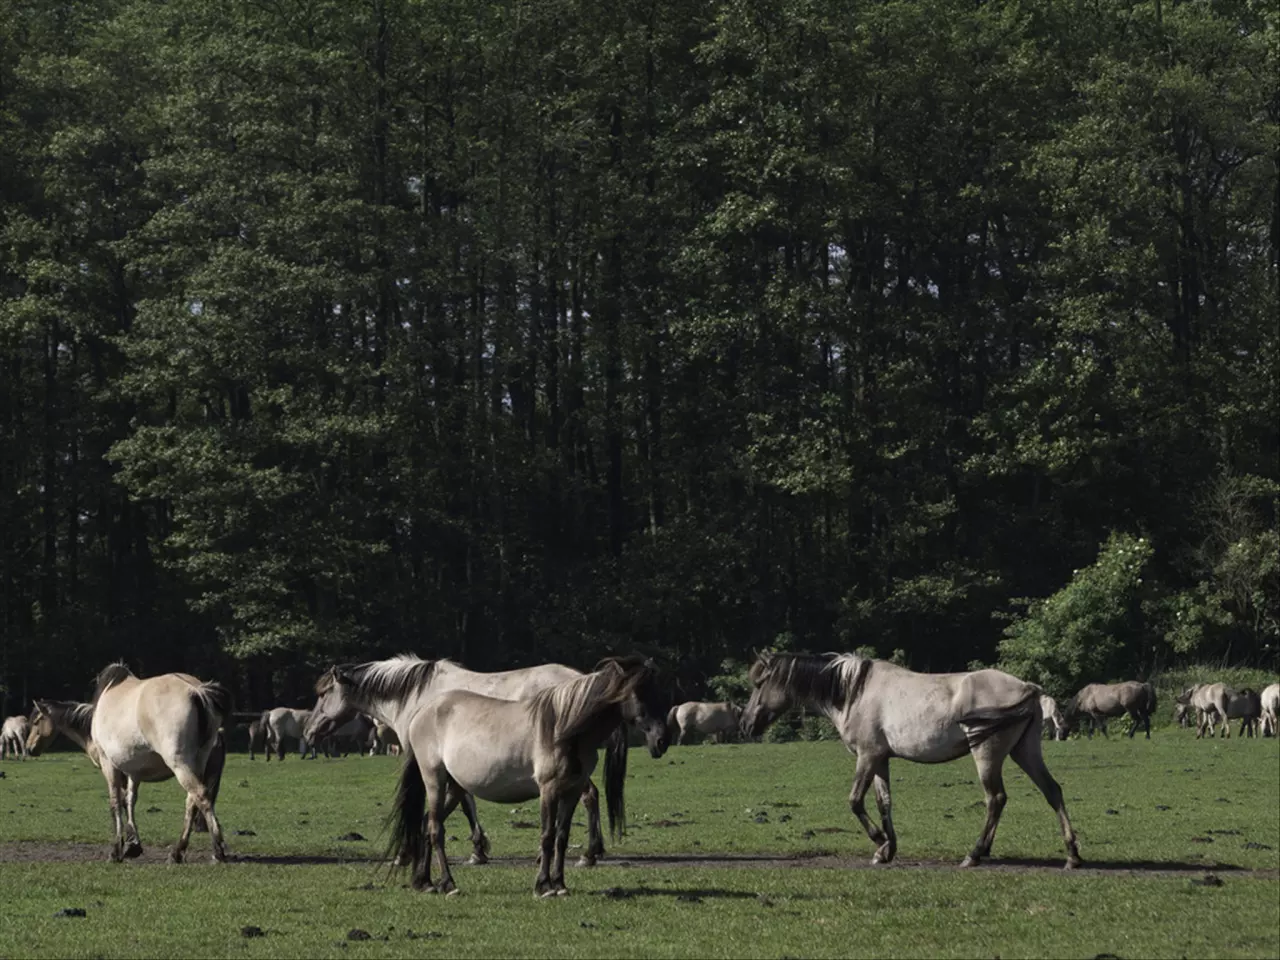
x=516, y=735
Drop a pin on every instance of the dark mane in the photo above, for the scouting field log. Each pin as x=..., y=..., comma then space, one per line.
x=828, y=678
x=70, y=713
x=394, y=679
x=109, y=677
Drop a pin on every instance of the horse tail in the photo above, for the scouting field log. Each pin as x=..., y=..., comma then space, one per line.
x=405, y=819
x=213, y=703
x=615, y=778
x=980, y=726
x=673, y=728
x=1151, y=698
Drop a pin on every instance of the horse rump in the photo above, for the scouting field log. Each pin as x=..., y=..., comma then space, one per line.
x=982, y=725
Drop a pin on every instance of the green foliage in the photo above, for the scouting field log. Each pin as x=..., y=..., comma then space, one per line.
x=1079, y=634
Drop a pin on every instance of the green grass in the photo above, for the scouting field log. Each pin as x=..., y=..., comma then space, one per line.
x=695, y=801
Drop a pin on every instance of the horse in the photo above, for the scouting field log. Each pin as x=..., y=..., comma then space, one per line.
x=708, y=719
x=1271, y=710
x=509, y=751
x=287, y=722
x=67, y=717
x=357, y=732
x=13, y=737
x=1055, y=725
x=153, y=729
x=1210, y=701
x=385, y=741
x=258, y=735
x=392, y=691
x=1098, y=701
x=1246, y=706
x=882, y=710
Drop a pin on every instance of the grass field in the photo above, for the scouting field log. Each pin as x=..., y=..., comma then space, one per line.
x=1153, y=818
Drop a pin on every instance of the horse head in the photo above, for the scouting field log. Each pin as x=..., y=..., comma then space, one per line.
x=769, y=697
x=642, y=702
x=333, y=706
x=42, y=729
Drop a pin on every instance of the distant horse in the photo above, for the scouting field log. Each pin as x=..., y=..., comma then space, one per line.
x=718, y=720
x=1246, y=706
x=285, y=722
x=1054, y=723
x=258, y=735
x=392, y=691
x=13, y=737
x=153, y=729
x=67, y=717
x=882, y=710
x=1210, y=702
x=1098, y=701
x=385, y=741
x=356, y=734
x=510, y=751
x=1271, y=710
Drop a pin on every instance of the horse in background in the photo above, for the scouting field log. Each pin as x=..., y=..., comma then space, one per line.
x=1271, y=710
x=1246, y=706
x=1054, y=722
x=882, y=710
x=287, y=723
x=385, y=741
x=13, y=737
x=1097, y=702
x=153, y=729
x=1210, y=702
x=509, y=751
x=718, y=720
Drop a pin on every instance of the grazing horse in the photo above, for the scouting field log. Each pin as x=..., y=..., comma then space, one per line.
x=392, y=691
x=13, y=737
x=153, y=729
x=1271, y=710
x=1245, y=706
x=287, y=722
x=1098, y=701
x=509, y=751
x=708, y=719
x=1054, y=723
x=1210, y=701
x=882, y=710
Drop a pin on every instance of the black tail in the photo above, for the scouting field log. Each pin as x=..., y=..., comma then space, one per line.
x=212, y=779
x=615, y=779
x=405, y=820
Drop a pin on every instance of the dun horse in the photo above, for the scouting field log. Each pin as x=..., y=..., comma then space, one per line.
x=13, y=737
x=509, y=751
x=1271, y=710
x=285, y=722
x=1210, y=702
x=882, y=710
x=1054, y=723
x=392, y=691
x=718, y=720
x=154, y=729
x=1098, y=701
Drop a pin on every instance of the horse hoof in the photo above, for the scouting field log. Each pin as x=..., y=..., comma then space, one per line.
x=1073, y=863
x=478, y=859
x=586, y=861
x=562, y=892
x=133, y=851
x=969, y=861
x=455, y=892
x=175, y=858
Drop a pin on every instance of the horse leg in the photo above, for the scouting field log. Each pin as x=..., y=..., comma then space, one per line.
x=198, y=801
x=133, y=845
x=595, y=839
x=862, y=776
x=439, y=807
x=564, y=820
x=479, y=842
x=885, y=805
x=989, y=763
x=1028, y=756
x=116, y=787
x=547, y=809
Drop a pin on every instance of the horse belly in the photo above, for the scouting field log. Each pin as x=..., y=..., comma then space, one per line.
x=504, y=777
x=927, y=741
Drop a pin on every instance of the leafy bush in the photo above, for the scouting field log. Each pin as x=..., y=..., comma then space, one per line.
x=1079, y=634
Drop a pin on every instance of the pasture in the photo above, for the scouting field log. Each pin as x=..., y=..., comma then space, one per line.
x=734, y=850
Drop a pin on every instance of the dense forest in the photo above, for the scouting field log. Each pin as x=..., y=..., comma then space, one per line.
x=542, y=329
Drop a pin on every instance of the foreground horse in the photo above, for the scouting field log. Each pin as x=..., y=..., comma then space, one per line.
x=393, y=691
x=13, y=737
x=1210, y=702
x=287, y=722
x=882, y=710
x=1098, y=701
x=1271, y=710
x=707, y=719
x=1054, y=723
x=509, y=751
x=154, y=729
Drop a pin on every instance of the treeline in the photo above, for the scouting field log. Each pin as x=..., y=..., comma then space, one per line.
x=536, y=330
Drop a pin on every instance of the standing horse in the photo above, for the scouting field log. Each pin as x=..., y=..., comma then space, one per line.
x=1271, y=710
x=1245, y=706
x=1210, y=701
x=1098, y=701
x=708, y=719
x=1054, y=723
x=66, y=717
x=13, y=737
x=882, y=710
x=509, y=751
x=385, y=741
x=393, y=691
x=287, y=722
x=154, y=729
